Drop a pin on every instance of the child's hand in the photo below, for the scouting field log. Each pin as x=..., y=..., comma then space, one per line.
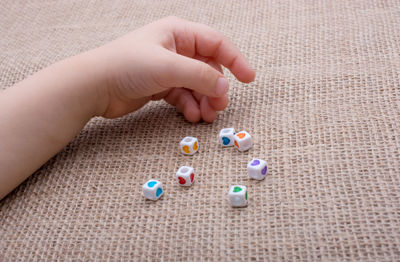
x=171, y=59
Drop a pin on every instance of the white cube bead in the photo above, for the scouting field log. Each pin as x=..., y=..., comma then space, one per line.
x=189, y=145
x=185, y=176
x=257, y=169
x=227, y=136
x=152, y=189
x=243, y=141
x=238, y=196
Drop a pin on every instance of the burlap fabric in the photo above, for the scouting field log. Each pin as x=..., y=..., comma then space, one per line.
x=324, y=112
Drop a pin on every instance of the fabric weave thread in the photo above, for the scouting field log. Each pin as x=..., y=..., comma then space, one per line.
x=324, y=113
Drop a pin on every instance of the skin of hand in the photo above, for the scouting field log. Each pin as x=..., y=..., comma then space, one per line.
x=175, y=60
x=171, y=59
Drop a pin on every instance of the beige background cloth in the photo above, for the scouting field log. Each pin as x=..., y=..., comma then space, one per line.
x=324, y=112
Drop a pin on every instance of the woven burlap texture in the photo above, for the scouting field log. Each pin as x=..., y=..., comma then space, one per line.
x=324, y=112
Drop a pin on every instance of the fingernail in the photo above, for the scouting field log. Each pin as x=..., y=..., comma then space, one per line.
x=222, y=86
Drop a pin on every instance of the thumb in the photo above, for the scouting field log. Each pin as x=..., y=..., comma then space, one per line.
x=182, y=71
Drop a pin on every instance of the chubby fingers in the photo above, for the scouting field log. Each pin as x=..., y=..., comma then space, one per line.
x=217, y=103
x=179, y=70
x=192, y=103
x=194, y=106
x=184, y=101
x=193, y=39
x=210, y=105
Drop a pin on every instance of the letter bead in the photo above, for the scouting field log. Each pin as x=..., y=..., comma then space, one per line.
x=243, y=141
x=189, y=145
x=152, y=189
x=257, y=169
x=238, y=196
x=185, y=176
x=227, y=137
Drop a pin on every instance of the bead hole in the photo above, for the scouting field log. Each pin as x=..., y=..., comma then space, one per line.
x=184, y=170
x=187, y=140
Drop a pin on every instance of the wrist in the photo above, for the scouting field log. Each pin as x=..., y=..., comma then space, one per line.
x=93, y=81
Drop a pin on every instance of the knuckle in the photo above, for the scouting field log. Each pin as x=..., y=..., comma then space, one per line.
x=205, y=72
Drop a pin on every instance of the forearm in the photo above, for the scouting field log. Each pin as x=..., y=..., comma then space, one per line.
x=41, y=114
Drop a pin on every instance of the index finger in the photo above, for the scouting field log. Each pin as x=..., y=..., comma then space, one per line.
x=197, y=39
